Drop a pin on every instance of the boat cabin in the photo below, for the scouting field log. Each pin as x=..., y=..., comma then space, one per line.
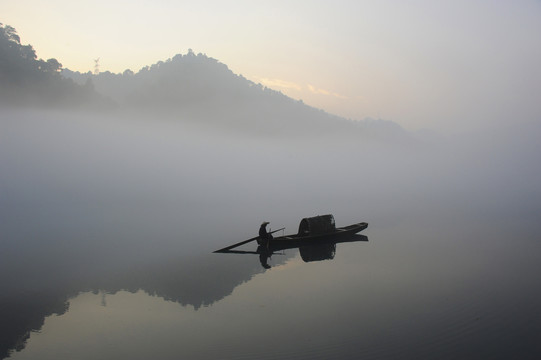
x=317, y=225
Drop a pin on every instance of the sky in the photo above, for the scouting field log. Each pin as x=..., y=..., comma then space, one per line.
x=449, y=65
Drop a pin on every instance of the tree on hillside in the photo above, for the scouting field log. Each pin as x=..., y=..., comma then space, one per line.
x=26, y=80
x=19, y=63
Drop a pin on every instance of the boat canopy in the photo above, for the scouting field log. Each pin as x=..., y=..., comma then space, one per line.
x=316, y=225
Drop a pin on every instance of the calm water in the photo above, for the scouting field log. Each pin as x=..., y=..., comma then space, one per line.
x=109, y=227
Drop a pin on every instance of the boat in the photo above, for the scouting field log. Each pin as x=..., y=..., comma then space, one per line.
x=315, y=229
x=312, y=230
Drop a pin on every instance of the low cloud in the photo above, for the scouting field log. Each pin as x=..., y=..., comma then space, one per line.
x=320, y=91
x=272, y=83
x=290, y=85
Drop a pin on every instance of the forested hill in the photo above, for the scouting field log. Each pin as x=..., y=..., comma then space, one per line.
x=26, y=81
x=186, y=87
x=200, y=88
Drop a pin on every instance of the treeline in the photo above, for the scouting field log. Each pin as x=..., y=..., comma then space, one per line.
x=26, y=81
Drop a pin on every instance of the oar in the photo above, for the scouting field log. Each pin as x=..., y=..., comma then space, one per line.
x=244, y=252
x=243, y=242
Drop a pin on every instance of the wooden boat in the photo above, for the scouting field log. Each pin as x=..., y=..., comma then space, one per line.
x=312, y=230
x=304, y=238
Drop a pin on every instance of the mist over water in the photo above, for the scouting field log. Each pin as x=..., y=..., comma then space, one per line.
x=109, y=215
x=115, y=189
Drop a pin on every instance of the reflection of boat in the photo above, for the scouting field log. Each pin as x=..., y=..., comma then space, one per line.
x=322, y=249
x=309, y=248
x=318, y=252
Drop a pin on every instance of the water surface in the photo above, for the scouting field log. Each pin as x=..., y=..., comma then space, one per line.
x=109, y=227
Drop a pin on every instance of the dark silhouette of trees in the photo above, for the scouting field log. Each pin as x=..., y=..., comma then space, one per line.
x=26, y=80
x=18, y=62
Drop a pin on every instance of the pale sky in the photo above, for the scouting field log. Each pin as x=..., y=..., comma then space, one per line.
x=447, y=65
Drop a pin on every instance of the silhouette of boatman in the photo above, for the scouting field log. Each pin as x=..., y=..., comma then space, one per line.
x=264, y=236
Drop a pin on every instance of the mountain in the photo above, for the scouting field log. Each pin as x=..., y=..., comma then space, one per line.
x=186, y=87
x=199, y=88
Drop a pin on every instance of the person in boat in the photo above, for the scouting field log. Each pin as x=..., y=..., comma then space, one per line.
x=264, y=236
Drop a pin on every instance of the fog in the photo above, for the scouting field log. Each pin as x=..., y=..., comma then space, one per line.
x=133, y=183
x=89, y=197
x=123, y=185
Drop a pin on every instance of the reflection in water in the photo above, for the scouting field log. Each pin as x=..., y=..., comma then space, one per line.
x=318, y=252
x=309, y=251
x=25, y=302
x=264, y=256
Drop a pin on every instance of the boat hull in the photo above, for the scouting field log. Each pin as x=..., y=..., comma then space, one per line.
x=343, y=234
